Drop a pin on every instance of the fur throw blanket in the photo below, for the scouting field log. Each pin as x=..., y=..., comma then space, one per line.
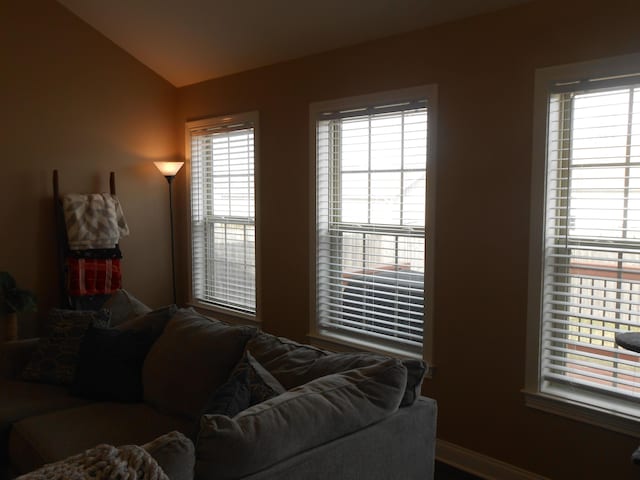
x=104, y=462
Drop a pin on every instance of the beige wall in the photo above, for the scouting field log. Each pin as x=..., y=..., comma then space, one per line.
x=484, y=68
x=72, y=100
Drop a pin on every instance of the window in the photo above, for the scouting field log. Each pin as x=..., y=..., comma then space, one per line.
x=223, y=220
x=371, y=189
x=589, y=245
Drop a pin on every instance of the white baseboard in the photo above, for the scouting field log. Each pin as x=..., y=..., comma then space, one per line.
x=480, y=465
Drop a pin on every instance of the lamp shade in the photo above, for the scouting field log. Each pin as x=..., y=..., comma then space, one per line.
x=169, y=169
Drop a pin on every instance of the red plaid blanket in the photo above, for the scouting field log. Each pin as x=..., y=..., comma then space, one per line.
x=93, y=276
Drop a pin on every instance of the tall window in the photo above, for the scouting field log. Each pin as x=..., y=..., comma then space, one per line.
x=223, y=220
x=590, y=285
x=371, y=214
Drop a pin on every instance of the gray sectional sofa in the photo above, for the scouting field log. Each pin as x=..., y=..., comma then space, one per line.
x=341, y=416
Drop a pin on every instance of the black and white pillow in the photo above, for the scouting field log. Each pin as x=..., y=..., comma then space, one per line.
x=249, y=383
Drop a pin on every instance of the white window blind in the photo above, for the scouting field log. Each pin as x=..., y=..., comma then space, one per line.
x=223, y=230
x=591, y=282
x=371, y=200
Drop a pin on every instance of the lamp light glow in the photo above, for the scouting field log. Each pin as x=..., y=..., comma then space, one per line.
x=169, y=169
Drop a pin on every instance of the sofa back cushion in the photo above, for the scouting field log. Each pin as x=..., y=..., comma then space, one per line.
x=283, y=358
x=305, y=417
x=416, y=370
x=124, y=306
x=152, y=323
x=295, y=364
x=190, y=360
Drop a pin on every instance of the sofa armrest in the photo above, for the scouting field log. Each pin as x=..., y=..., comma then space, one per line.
x=14, y=355
x=400, y=446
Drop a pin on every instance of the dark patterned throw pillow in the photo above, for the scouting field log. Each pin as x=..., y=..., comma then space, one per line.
x=56, y=355
x=249, y=383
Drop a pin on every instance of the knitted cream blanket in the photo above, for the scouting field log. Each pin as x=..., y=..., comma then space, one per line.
x=104, y=462
x=93, y=220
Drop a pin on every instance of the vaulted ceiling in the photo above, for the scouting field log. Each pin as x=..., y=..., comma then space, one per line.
x=189, y=41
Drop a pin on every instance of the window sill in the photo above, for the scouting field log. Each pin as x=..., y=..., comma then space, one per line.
x=226, y=314
x=574, y=406
x=342, y=343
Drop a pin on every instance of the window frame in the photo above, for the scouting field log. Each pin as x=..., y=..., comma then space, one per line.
x=577, y=404
x=344, y=342
x=222, y=121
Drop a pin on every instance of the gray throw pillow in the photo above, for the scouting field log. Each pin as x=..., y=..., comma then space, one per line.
x=298, y=420
x=56, y=355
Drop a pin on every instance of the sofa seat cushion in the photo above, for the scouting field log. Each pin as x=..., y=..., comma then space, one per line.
x=20, y=400
x=321, y=411
x=54, y=436
x=192, y=358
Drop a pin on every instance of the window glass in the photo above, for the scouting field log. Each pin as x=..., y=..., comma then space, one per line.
x=223, y=234
x=591, y=280
x=371, y=223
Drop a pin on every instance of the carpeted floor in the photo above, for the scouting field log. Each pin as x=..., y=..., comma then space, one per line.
x=447, y=472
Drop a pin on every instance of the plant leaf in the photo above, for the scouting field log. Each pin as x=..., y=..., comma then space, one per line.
x=12, y=298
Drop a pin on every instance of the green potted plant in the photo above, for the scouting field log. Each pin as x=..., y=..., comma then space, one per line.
x=13, y=300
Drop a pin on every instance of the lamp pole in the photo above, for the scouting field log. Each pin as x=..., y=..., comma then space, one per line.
x=169, y=170
x=173, y=257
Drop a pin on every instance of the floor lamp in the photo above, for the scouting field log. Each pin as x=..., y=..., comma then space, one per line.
x=169, y=170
